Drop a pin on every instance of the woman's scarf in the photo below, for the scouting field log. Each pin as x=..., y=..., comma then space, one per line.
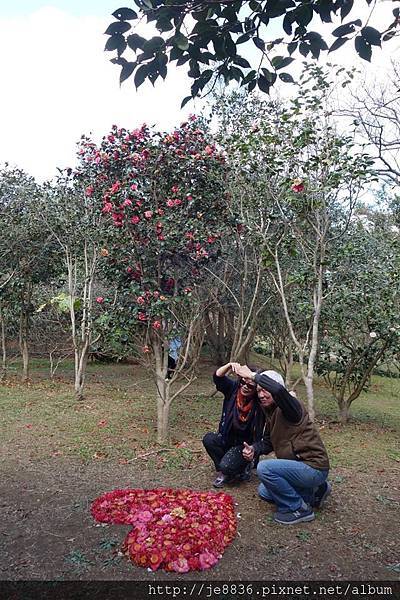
x=243, y=410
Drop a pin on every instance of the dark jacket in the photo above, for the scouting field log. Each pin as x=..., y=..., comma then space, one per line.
x=230, y=435
x=289, y=432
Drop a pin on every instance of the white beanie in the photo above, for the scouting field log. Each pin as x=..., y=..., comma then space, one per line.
x=275, y=376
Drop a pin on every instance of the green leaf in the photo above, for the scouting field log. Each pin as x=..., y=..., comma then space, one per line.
x=363, y=48
x=185, y=101
x=135, y=41
x=116, y=42
x=141, y=75
x=344, y=29
x=279, y=62
x=259, y=43
x=125, y=14
x=126, y=71
x=269, y=76
x=242, y=62
x=117, y=27
x=180, y=41
x=337, y=43
x=371, y=35
x=347, y=5
x=263, y=84
x=286, y=77
x=155, y=44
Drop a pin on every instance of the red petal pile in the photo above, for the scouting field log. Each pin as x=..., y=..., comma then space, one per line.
x=175, y=530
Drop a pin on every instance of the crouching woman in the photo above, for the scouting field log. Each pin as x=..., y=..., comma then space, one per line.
x=242, y=422
x=296, y=481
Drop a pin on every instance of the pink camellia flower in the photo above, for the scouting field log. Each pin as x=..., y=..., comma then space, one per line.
x=99, y=299
x=189, y=197
x=140, y=300
x=135, y=219
x=207, y=560
x=115, y=155
x=133, y=187
x=187, y=290
x=156, y=294
x=148, y=214
x=297, y=185
x=115, y=187
x=118, y=218
x=142, y=316
x=208, y=150
x=170, y=203
x=111, y=138
x=180, y=565
x=138, y=203
x=211, y=239
x=89, y=190
x=156, y=325
x=146, y=349
x=177, y=202
x=161, y=237
x=189, y=235
x=192, y=118
x=127, y=202
x=174, y=189
x=145, y=154
x=107, y=207
x=160, y=211
x=144, y=516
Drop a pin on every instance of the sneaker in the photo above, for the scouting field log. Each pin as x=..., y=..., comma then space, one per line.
x=221, y=480
x=321, y=494
x=246, y=474
x=297, y=516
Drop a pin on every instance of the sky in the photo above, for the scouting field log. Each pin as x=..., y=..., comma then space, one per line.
x=58, y=83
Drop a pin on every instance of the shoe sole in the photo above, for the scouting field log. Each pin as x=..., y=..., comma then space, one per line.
x=305, y=519
x=325, y=496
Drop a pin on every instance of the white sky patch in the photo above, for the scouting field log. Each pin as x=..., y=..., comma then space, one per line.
x=58, y=83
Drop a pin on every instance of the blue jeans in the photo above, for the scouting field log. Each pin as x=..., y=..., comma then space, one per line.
x=288, y=483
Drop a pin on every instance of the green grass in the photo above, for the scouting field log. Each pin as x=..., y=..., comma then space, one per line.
x=117, y=419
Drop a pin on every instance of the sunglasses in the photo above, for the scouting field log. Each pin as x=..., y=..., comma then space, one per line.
x=251, y=386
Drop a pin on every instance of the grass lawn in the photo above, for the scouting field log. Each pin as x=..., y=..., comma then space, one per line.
x=60, y=454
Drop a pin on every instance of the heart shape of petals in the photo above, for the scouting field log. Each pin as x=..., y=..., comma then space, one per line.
x=172, y=529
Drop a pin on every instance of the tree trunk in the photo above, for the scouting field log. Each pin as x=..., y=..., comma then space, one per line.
x=288, y=367
x=81, y=358
x=23, y=343
x=3, y=347
x=163, y=418
x=344, y=412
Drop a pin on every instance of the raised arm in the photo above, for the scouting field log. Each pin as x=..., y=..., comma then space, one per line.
x=223, y=383
x=289, y=405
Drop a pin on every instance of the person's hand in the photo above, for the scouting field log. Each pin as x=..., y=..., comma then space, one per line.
x=244, y=372
x=248, y=452
x=235, y=366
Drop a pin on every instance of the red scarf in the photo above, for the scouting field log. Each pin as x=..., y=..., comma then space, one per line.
x=244, y=404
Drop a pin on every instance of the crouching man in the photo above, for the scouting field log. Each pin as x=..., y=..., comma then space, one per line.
x=296, y=481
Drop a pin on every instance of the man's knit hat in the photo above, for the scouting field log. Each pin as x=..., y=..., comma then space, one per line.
x=275, y=376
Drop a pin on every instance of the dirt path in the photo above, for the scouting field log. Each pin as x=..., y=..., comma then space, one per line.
x=46, y=530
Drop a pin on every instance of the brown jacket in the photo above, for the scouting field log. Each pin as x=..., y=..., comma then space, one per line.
x=288, y=431
x=296, y=441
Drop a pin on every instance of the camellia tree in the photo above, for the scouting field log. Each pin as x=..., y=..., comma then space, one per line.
x=360, y=314
x=305, y=179
x=163, y=198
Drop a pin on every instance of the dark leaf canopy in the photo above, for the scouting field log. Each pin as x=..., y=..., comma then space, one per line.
x=212, y=38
